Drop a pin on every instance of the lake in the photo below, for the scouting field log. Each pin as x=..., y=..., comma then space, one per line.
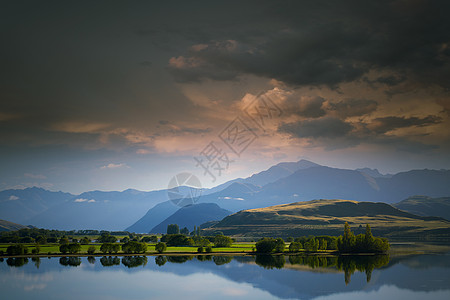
x=225, y=277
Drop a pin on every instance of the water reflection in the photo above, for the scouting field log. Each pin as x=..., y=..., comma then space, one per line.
x=287, y=277
x=91, y=260
x=160, y=260
x=16, y=261
x=346, y=264
x=108, y=261
x=71, y=261
x=134, y=261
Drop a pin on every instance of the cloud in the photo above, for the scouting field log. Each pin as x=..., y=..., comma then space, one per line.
x=304, y=106
x=353, y=107
x=13, y=198
x=317, y=44
x=385, y=124
x=328, y=127
x=79, y=127
x=80, y=200
x=143, y=151
x=35, y=176
x=114, y=166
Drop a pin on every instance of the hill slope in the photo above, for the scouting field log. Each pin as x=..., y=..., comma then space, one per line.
x=426, y=206
x=192, y=215
x=8, y=226
x=327, y=217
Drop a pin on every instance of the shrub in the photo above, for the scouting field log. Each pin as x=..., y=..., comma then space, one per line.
x=222, y=241
x=295, y=247
x=160, y=247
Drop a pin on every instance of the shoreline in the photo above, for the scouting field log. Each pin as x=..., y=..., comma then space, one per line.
x=192, y=254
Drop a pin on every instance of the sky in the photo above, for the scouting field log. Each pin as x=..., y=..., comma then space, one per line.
x=111, y=95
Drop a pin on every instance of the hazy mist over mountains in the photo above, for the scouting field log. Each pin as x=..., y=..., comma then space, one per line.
x=283, y=183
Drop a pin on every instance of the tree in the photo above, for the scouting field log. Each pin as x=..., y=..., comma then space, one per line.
x=91, y=250
x=63, y=240
x=42, y=240
x=85, y=241
x=134, y=247
x=109, y=248
x=280, y=245
x=295, y=247
x=177, y=240
x=173, y=229
x=17, y=249
x=74, y=248
x=222, y=241
x=149, y=239
x=106, y=237
x=160, y=247
x=200, y=242
x=265, y=245
x=184, y=231
x=368, y=237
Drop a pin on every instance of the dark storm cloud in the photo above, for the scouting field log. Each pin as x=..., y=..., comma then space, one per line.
x=325, y=42
x=382, y=125
x=327, y=127
x=353, y=107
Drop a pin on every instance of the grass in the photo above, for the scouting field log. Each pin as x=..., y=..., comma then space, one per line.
x=54, y=248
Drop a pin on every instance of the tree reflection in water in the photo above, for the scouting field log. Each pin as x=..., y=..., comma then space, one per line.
x=348, y=263
x=71, y=261
x=160, y=260
x=17, y=261
x=108, y=261
x=268, y=261
x=134, y=261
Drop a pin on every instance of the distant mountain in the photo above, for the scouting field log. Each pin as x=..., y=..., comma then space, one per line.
x=153, y=217
x=432, y=183
x=279, y=171
x=192, y=215
x=426, y=206
x=8, y=226
x=99, y=210
x=20, y=205
x=327, y=217
x=374, y=173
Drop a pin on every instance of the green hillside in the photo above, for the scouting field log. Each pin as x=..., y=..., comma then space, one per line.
x=320, y=217
x=8, y=226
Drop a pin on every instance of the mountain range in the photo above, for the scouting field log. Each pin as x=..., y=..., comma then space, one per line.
x=284, y=183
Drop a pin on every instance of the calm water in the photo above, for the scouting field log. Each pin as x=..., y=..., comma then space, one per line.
x=263, y=277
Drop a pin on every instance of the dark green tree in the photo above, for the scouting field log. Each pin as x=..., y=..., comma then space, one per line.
x=295, y=247
x=222, y=241
x=160, y=247
x=173, y=229
x=184, y=231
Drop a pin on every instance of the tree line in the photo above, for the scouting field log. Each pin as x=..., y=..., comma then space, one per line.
x=346, y=243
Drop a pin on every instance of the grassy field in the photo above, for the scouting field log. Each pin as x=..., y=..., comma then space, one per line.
x=54, y=248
